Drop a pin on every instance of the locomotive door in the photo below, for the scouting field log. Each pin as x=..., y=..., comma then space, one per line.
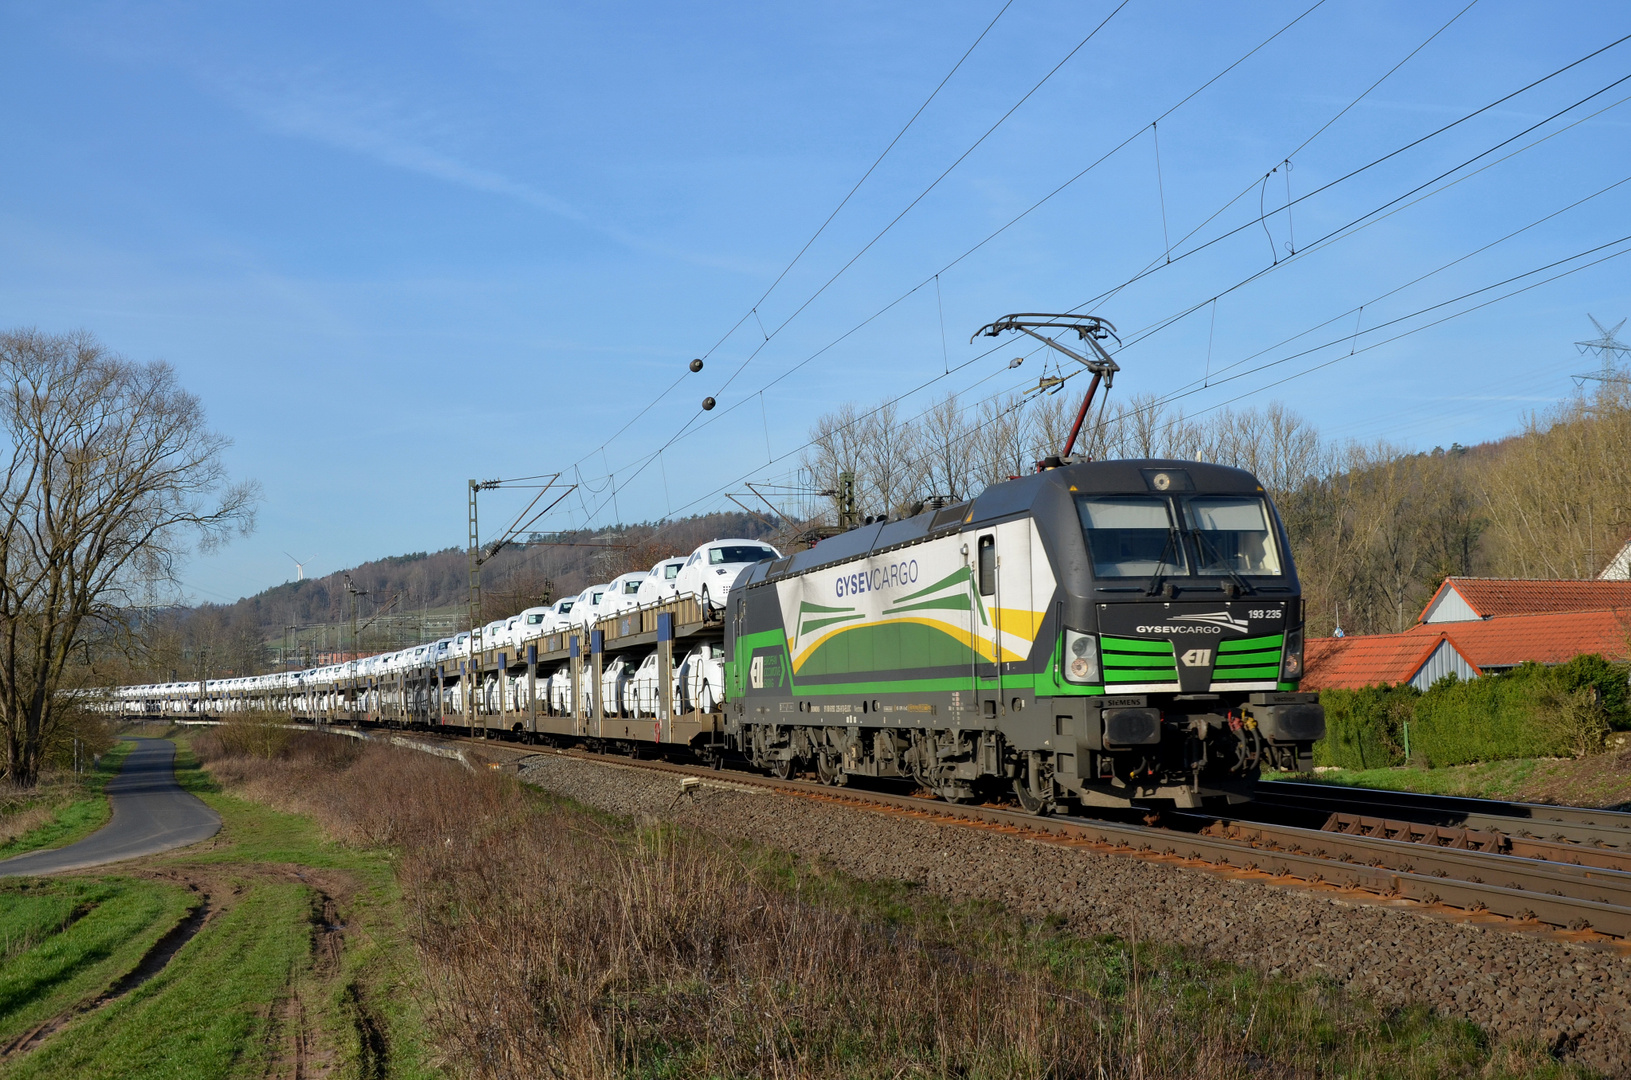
x=985, y=637
x=1004, y=624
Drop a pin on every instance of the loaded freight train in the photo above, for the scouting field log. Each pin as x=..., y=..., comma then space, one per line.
x=1101, y=632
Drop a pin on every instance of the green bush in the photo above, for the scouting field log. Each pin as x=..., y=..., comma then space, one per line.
x=1606, y=680
x=1530, y=711
x=1363, y=727
x=1487, y=719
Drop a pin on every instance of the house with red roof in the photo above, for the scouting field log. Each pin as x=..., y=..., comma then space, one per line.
x=1468, y=599
x=1473, y=626
x=1348, y=663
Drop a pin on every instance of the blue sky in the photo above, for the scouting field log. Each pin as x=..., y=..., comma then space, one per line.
x=397, y=246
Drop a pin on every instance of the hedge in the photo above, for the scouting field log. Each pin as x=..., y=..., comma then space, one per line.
x=1530, y=711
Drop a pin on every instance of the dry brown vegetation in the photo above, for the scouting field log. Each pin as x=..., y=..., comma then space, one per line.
x=559, y=942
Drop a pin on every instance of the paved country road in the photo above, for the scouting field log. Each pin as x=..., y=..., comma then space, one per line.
x=150, y=814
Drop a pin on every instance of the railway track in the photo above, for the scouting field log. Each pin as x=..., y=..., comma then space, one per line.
x=1535, y=822
x=1526, y=888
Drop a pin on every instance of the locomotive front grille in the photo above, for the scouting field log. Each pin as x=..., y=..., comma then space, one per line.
x=1252, y=659
x=1135, y=660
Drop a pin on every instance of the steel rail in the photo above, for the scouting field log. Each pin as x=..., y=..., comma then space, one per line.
x=1607, y=886
x=1569, y=824
x=1605, y=858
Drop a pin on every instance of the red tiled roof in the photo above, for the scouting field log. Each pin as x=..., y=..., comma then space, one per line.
x=1348, y=663
x=1518, y=596
x=1550, y=638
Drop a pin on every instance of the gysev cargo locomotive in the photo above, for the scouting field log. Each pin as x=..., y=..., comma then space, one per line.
x=1099, y=632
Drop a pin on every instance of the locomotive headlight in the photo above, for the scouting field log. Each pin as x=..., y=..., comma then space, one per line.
x=1291, y=663
x=1081, y=660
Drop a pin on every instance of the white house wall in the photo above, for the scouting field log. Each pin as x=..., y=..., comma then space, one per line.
x=1450, y=607
x=1444, y=661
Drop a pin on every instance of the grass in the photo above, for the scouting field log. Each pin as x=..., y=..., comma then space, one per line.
x=205, y=1014
x=1308, y=1025
x=62, y=942
x=67, y=808
x=1492, y=780
x=301, y=968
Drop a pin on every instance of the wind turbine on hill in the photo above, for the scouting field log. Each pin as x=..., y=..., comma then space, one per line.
x=299, y=566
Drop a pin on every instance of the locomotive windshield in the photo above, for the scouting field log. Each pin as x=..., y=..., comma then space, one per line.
x=1131, y=535
x=1143, y=536
x=1232, y=535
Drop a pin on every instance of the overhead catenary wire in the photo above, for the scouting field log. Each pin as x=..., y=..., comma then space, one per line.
x=870, y=170
x=1342, y=338
x=1317, y=245
x=1207, y=380
x=922, y=195
x=687, y=426
x=754, y=310
x=1191, y=389
x=1160, y=265
x=1037, y=204
x=1368, y=218
x=1436, y=322
x=1301, y=199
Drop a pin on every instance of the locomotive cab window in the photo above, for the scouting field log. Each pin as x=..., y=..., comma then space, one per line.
x=1232, y=535
x=988, y=565
x=1131, y=535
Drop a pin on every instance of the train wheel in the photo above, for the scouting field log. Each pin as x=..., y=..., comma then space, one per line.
x=1032, y=800
x=1028, y=802
x=781, y=768
x=829, y=770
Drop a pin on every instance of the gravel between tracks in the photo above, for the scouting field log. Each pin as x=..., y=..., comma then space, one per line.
x=1575, y=996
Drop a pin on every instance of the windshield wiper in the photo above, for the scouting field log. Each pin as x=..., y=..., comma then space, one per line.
x=1218, y=562
x=1157, y=579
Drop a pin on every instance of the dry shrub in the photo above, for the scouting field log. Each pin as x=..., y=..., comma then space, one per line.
x=558, y=943
x=20, y=813
x=1574, y=719
x=254, y=734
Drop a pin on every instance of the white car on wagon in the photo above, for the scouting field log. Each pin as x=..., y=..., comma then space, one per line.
x=659, y=585
x=714, y=568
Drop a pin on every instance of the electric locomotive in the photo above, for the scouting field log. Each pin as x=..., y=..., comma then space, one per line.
x=1098, y=632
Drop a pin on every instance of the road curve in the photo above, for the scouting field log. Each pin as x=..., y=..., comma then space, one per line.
x=150, y=814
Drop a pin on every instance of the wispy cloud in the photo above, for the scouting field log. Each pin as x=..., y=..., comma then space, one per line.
x=309, y=105
x=313, y=105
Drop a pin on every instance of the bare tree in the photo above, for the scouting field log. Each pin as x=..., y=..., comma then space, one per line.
x=886, y=447
x=1556, y=496
x=944, y=455
x=1002, y=440
x=835, y=449
x=110, y=477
